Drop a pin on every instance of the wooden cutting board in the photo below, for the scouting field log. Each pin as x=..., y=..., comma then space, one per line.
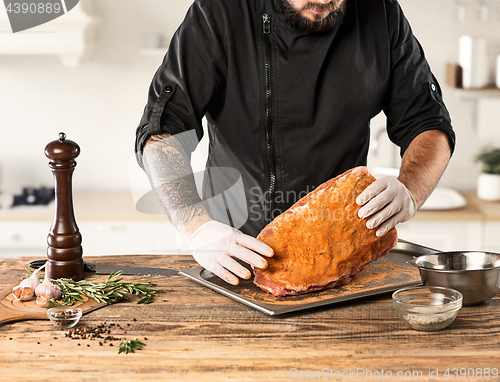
x=12, y=310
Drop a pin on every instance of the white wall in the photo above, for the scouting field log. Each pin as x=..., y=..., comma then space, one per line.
x=99, y=103
x=437, y=27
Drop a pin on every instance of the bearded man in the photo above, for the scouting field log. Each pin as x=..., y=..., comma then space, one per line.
x=288, y=89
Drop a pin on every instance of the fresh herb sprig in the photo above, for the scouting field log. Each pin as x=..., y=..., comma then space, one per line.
x=109, y=291
x=128, y=346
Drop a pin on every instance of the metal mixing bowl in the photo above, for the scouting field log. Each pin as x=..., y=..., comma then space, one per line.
x=474, y=274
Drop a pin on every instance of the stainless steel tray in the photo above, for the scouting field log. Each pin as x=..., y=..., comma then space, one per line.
x=392, y=272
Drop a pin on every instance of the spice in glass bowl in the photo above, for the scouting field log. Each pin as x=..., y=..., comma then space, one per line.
x=64, y=317
x=426, y=308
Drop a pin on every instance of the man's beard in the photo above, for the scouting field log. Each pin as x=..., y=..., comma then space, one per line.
x=304, y=25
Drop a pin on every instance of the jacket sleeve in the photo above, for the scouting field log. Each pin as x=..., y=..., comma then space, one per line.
x=414, y=102
x=186, y=81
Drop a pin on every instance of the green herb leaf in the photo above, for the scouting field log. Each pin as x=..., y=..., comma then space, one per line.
x=489, y=157
x=128, y=346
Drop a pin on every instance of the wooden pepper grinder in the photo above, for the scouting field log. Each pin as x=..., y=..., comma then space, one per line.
x=64, y=241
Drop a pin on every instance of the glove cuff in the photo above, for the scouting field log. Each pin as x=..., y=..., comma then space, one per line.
x=218, y=231
x=413, y=199
x=193, y=235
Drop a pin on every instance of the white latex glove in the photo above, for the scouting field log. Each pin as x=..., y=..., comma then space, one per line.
x=386, y=202
x=213, y=245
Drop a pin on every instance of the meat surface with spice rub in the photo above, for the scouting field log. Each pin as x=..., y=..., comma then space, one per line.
x=320, y=242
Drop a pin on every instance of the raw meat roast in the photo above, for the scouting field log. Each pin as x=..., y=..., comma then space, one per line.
x=320, y=242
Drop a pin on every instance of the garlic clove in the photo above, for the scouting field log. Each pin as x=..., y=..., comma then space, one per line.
x=42, y=301
x=26, y=288
x=17, y=292
x=48, y=289
x=23, y=294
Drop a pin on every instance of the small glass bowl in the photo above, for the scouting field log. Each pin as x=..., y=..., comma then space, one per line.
x=427, y=308
x=64, y=317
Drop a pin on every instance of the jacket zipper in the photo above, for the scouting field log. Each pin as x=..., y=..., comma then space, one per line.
x=271, y=162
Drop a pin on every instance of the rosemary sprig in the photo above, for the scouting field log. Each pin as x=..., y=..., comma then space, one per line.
x=109, y=291
x=128, y=346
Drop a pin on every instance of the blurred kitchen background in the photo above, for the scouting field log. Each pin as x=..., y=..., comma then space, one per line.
x=93, y=86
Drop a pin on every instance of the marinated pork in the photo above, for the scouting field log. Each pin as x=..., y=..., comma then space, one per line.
x=320, y=242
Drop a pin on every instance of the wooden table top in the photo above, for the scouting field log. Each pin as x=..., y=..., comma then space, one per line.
x=195, y=334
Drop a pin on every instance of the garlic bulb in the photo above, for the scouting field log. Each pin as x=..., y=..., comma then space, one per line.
x=46, y=291
x=23, y=294
x=26, y=288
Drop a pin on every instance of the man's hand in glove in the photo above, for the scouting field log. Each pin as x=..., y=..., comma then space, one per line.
x=215, y=246
x=386, y=202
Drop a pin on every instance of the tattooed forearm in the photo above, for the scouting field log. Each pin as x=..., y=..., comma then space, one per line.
x=170, y=173
x=166, y=158
x=181, y=200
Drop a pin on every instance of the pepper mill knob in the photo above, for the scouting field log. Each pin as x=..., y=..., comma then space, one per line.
x=64, y=241
x=62, y=150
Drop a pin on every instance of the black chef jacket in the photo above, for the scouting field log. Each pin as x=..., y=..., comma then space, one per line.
x=287, y=111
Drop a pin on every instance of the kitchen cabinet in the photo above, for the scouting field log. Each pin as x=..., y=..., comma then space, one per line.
x=108, y=223
x=99, y=237
x=67, y=41
x=21, y=238
x=491, y=236
x=473, y=227
x=474, y=94
x=128, y=237
x=444, y=235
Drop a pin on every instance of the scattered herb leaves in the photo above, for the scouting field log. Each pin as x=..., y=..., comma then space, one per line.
x=129, y=346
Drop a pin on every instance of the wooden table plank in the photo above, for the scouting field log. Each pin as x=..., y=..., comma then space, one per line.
x=195, y=334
